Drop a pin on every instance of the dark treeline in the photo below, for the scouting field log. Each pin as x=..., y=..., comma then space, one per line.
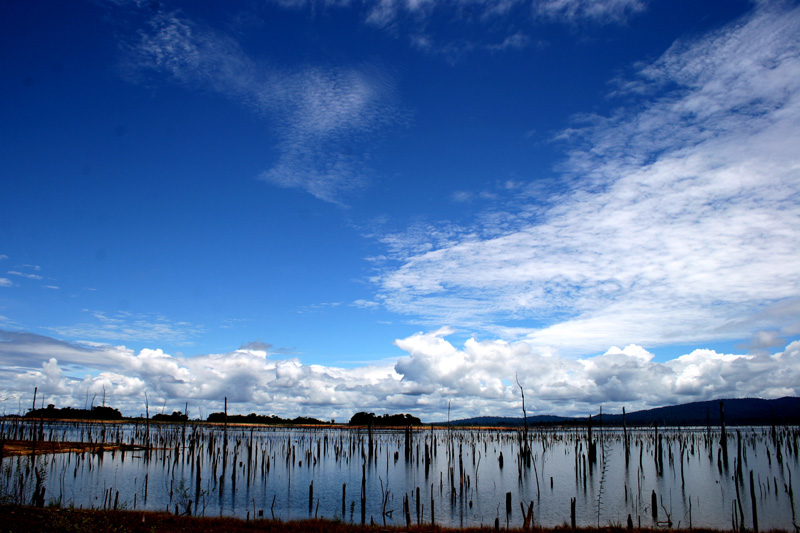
x=253, y=418
x=738, y=411
x=367, y=419
x=176, y=416
x=358, y=419
x=98, y=412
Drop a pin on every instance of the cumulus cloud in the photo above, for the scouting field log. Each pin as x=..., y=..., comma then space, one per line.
x=764, y=340
x=5, y=282
x=480, y=375
x=256, y=345
x=321, y=115
x=482, y=372
x=679, y=222
x=251, y=378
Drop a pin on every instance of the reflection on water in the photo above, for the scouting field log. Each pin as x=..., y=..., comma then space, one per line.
x=677, y=477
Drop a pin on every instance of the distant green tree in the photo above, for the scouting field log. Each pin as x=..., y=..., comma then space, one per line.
x=253, y=418
x=98, y=412
x=398, y=420
x=176, y=416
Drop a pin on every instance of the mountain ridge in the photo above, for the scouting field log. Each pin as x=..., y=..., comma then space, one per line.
x=738, y=412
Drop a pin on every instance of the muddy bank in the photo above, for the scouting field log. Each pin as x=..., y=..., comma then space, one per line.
x=29, y=447
x=51, y=519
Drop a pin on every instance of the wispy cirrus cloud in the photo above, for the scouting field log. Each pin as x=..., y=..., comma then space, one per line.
x=25, y=275
x=322, y=115
x=603, y=11
x=679, y=222
x=385, y=12
x=132, y=327
x=432, y=371
x=448, y=29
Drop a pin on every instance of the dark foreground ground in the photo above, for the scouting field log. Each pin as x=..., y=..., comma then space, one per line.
x=52, y=519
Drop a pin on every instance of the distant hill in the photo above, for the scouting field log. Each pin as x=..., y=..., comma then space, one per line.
x=738, y=412
x=509, y=421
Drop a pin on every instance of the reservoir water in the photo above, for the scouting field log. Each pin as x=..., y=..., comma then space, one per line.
x=659, y=477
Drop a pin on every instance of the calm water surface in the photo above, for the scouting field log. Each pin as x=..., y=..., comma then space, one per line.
x=294, y=473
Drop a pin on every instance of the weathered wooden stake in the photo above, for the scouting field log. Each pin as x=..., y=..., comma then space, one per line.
x=363, y=493
x=753, y=502
x=654, y=506
x=433, y=508
x=724, y=438
x=417, y=504
x=572, y=513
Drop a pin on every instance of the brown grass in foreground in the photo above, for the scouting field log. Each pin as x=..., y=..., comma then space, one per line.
x=28, y=447
x=51, y=520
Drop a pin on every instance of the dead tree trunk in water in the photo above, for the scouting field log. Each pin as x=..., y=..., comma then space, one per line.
x=724, y=439
x=147, y=423
x=525, y=448
x=625, y=438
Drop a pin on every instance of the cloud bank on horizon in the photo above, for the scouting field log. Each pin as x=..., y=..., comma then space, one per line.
x=434, y=372
x=673, y=219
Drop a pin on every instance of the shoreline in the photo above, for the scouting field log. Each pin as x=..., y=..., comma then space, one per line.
x=57, y=519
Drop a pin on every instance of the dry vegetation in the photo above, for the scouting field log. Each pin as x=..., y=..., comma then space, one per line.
x=50, y=519
x=28, y=447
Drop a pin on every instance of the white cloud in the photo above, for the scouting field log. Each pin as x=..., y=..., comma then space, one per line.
x=322, y=116
x=480, y=377
x=384, y=13
x=248, y=377
x=5, y=282
x=365, y=304
x=619, y=377
x=124, y=326
x=680, y=224
x=24, y=275
x=763, y=341
x=475, y=25
x=517, y=41
x=603, y=11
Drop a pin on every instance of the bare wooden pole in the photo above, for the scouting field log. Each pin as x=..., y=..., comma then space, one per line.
x=147, y=421
x=753, y=503
x=526, y=447
x=724, y=438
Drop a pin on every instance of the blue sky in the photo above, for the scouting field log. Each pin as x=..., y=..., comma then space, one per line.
x=332, y=206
